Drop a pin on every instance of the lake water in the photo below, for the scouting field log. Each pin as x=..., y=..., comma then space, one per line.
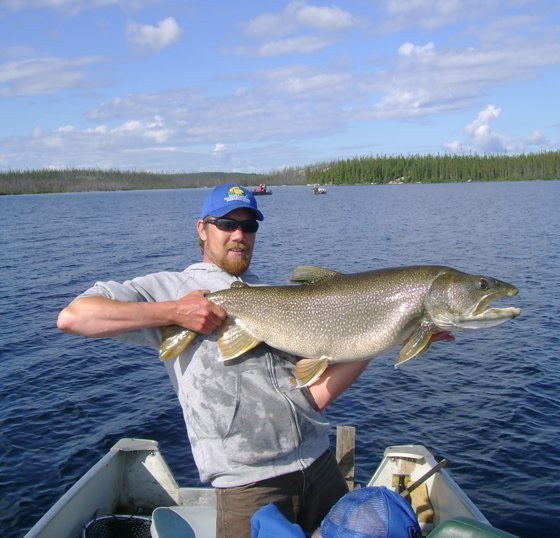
x=489, y=402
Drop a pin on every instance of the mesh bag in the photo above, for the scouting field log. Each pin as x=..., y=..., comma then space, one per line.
x=371, y=512
x=118, y=526
x=369, y=518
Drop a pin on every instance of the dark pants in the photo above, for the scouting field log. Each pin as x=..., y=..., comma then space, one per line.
x=304, y=497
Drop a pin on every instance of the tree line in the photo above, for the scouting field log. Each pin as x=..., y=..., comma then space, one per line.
x=82, y=180
x=437, y=169
x=373, y=169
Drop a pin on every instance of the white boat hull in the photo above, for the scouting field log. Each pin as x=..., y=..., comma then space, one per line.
x=408, y=463
x=133, y=478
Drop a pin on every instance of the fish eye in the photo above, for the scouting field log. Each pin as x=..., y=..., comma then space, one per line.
x=483, y=284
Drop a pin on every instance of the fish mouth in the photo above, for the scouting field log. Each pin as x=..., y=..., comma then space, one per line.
x=482, y=315
x=492, y=296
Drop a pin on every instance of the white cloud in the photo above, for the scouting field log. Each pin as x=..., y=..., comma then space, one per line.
x=305, y=82
x=357, y=93
x=330, y=19
x=481, y=134
x=285, y=105
x=219, y=150
x=295, y=45
x=274, y=103
x=297, y=16
x=410, y=49
x=72, y=7
x=149, y=131
x=130, y=127
x=43, y=76
x=428, y=80
x=432, y=14
x=66, y=129
x=483, y=139
x=98, y=129
x=155, y=38
x=480, y=127
x=298, y=29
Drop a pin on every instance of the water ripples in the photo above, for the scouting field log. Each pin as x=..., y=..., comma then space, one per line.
x=488, y=401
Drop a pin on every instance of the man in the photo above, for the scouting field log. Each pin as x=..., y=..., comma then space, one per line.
x=253, y=435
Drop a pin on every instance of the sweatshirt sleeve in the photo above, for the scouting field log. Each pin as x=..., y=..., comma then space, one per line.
x=150, y=288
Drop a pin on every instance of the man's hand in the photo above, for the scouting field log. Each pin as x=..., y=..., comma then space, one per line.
x=198, y=314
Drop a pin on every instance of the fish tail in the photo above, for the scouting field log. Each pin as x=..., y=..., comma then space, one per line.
x=307, y=371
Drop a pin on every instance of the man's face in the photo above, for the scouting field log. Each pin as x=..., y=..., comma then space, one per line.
x=231, y=251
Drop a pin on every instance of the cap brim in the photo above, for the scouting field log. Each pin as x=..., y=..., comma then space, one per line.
x=224, y=210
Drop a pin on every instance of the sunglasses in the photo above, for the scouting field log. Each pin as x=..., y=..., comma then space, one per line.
x=230, y=225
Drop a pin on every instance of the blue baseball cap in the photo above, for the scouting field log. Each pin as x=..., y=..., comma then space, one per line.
x=371, y=512
x=229, y=197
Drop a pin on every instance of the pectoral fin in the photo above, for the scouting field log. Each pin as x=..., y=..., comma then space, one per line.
x=174, y=340
x=309, y=370
x=234, y=340
x=417, y=344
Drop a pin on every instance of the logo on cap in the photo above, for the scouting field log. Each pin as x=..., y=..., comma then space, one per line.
x=235, y=194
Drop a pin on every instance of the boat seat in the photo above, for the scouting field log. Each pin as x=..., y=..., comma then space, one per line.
x=464, y=527
x=184, y=522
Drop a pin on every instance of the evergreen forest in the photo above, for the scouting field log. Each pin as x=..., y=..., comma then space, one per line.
x=381, y=169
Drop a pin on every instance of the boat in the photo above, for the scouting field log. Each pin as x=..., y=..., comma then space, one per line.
x=261, y=190
x=131, y=491
x=319, y=190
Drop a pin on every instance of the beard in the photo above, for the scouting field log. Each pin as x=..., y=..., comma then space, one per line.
x=238, y=265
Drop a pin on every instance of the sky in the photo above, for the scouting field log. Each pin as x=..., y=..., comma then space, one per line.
x=256, y=86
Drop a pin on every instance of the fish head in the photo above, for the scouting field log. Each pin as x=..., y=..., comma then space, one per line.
x=459, y=300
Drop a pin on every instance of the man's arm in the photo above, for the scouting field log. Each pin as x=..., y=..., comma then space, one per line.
x=334, y=381
x=97, y=316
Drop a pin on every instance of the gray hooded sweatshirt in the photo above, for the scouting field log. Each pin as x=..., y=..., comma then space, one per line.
x=246, y=421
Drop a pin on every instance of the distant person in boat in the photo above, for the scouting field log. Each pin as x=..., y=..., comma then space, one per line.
x=370, y=512
x=254, y=436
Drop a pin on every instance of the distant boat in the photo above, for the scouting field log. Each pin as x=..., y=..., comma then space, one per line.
x=319, y=190
x=261, y=190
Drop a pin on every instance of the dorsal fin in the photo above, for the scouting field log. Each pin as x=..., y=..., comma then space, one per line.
x=239, y=284
x=307, y=274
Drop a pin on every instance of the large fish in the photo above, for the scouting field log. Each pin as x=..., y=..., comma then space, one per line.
x=332, y=317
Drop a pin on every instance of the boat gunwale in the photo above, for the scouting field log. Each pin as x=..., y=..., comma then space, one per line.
x=138, y=473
